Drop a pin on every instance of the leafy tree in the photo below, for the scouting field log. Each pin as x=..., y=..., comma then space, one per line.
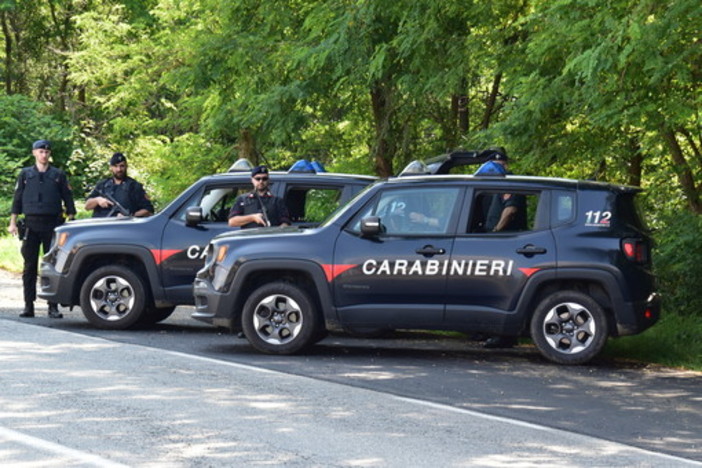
x=23, y=121
x=613, y=90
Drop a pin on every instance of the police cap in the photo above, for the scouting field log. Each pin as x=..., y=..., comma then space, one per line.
x=42, y=144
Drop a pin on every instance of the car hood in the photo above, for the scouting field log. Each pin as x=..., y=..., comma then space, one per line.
x=264, y=232
x=107, y=221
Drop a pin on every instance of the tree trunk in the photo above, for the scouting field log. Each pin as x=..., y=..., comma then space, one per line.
x=382, y=114
x=247, y=146
x=463, y=115
x=683, y=171
x=491, y=102
x=8, y=53
x=635, y=162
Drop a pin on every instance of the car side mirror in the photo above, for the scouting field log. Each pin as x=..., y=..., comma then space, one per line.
x=193, y=216
x=371, y=226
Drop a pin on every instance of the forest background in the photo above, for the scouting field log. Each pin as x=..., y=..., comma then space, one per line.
x=606, y=89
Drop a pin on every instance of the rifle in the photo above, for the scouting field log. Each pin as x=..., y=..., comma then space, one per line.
x=116, y=206
x=263, y=209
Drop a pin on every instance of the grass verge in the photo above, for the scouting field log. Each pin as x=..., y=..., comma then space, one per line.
x=10, y=256
x=675, y=341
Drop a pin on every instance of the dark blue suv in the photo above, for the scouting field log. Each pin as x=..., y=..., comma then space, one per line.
x=125, y=272
x=417, y=252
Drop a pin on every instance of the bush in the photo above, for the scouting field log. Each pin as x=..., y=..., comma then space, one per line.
x=22, y=121
x=678, y=263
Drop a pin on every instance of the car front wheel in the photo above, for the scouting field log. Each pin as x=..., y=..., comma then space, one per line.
x=113, y=297
x=569, y=327
x=280, y=318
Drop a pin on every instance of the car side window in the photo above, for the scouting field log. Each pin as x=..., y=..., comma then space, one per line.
x=497, y=211
x=312, y=204
x=563, y=207
x=426, y=211
x=216, y=202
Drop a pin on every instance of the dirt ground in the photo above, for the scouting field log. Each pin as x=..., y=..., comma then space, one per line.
x=11, y=291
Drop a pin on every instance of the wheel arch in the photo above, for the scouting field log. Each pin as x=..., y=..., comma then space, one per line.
x=139, y=259
x=306, y=274
x=598, y=284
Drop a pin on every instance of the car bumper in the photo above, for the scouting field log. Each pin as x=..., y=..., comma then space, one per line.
x=208, y=302
x=644, y=315
x=54, y=287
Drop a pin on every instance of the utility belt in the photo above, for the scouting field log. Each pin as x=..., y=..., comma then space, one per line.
x=40, y=223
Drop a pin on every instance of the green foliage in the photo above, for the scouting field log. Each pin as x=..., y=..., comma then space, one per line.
x=10, y=256
x=677, y=262
x=166, y=168
x=22, y=121
x=572, y=88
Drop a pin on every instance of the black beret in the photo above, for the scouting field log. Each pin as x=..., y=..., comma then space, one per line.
x=259, y=170
x=117, y=158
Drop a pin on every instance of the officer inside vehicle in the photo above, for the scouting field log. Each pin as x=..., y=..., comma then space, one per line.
x=121, y=188
x=259, y=208
x=504, y=211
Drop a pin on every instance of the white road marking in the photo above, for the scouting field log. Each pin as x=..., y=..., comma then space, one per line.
x=57, y=449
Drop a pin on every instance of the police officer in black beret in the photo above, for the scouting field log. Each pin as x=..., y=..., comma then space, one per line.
x=39, y=192
x=126, y=191
x=259, y=207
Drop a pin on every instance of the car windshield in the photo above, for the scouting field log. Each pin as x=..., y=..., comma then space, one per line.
x=335, y=214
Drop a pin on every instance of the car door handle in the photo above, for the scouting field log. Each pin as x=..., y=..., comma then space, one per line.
x=531, y=250
x=429, y=250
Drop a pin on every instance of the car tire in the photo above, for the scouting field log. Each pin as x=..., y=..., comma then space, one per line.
x=154, y=315
x=280, y=318
x=569, y=327
x=113, y=297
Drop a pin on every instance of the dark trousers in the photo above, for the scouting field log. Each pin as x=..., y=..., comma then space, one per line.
x=30, y=252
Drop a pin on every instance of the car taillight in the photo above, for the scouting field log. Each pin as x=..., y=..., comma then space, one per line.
x=635, y=250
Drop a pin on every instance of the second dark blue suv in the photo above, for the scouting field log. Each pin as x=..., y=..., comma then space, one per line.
x=418, y=253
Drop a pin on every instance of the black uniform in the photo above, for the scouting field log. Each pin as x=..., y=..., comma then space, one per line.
x=499, y=203
x=39, y=195
x=250, y=203
x=130, y=194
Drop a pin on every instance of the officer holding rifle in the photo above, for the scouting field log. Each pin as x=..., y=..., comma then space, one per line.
x=119, y=195
x=259, y=208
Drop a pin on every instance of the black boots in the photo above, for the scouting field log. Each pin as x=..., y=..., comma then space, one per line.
x=28, y=310
x=53, y=311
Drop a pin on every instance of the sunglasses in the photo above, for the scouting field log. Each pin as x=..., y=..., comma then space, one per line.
x=260, y=178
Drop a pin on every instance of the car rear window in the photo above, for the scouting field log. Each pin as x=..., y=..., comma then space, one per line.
x=629, y=212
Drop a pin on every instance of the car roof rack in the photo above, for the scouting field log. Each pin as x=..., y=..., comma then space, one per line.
x=443, y=163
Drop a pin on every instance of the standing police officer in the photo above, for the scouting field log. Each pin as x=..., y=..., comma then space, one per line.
x=259, y=207
x=126, y=191
x=38, y=194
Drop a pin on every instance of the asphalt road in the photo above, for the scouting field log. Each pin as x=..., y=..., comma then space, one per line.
x=456, y=403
